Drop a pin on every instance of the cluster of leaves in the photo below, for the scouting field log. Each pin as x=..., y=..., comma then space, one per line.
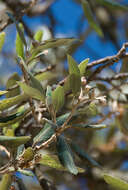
x=22, y=95
x=65, y=105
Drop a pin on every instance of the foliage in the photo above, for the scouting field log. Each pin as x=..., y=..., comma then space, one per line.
x=40, y=111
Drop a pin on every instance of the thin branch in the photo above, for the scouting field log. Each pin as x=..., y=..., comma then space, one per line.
x=116, y=77
x=107, y=61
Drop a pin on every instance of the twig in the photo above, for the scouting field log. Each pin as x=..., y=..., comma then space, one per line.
x=107, y=61
x=116, y=77
x=61, y=129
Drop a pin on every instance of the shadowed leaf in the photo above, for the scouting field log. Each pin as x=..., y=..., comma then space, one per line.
x=82, y=154
x=44, y=134
x=90, y=126
x=60, y=120
x=65, y=155
x=91, y=20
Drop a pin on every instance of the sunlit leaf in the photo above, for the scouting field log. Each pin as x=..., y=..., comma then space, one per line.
x=28, y=154
x=2, y=92
x=73, y=66
x=82, y=154
x=19, y=44
x=65, y=155
x=112, y=4
x=82, y=66
x=53, y=162
x=12, y=142
x=2, y=39
x=45, y=76
x=12, y=81
x=90, y=126
x=7, y=103
x=32, y=92
x=116, y=182
x=44, y=134
x=58, y=98
x=5, y=182
x=89, y=15
x=38, y=35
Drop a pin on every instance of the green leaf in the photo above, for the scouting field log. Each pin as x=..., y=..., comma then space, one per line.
x=90, y=126
x=3, y=92
x=34, y=82
x=31, y=92
x=117, y=183
x=45, y=76
x=112, y=4
x=74, y=77
x=60, y=120
x=6, y=181
x=12, y=81
x=28, y=154
x=67, y=84
x=82, y=154
x=19, y=44
x=75, y=83
x=65, y=155
x=53, y=43
x=44, y=134
x=18, y=28
x=12, y=142
x=91, y=20
x=7, y=103
x=53, y=162
x=58, y=98
x=38, y=35
x=11, y=119
x=73, y=66
x=82, y=66
x=2, y=39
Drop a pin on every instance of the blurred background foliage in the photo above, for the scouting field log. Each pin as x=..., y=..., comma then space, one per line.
x=65, y=18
